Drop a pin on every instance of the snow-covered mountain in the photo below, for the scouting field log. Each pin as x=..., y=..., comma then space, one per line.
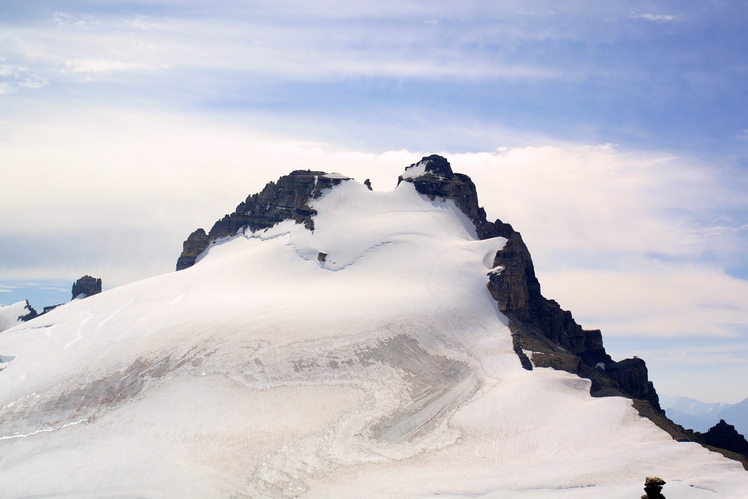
x=342, y=343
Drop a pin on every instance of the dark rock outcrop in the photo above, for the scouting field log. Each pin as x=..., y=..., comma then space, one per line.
x=725, y=436
x=196, y=243
x=538, y=325
x=543, y=327
x=286, y=199
x=438, y=180
x=86, y=286
x=31, y=313
x=516, y=289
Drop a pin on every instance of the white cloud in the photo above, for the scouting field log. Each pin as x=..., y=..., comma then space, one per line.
x=591, y=197
x=649, y=298
x=15, y=76
x=11, y=70
x=616, y=237
x=104, y=66
x=656, y=17
x=329, y=48
x=707, y=372
x=721, y=354
x=66, y=19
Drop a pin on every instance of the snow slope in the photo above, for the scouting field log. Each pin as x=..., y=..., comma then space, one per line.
x=384, y=370
x=10, y=315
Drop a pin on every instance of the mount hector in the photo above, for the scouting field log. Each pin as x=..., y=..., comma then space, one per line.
x=327, y=340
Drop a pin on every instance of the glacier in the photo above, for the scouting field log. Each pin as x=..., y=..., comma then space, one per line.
x=266, y=370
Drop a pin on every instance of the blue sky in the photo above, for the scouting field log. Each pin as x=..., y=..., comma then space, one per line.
x=613, y=135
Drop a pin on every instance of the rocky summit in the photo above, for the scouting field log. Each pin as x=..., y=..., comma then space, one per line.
x=286, y=199
x=538, y=325
x=86, y=286
x=329, y=340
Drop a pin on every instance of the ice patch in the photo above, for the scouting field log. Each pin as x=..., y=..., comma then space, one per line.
x=4, y=359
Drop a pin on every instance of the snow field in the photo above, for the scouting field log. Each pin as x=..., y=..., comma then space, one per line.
x=384, y=370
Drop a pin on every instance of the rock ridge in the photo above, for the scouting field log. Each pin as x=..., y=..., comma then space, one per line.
x=539, y=325
x=286, y=199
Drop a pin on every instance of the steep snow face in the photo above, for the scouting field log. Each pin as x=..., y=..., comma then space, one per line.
x=364, y=359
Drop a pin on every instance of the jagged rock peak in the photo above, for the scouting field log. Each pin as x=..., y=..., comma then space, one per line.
x=286, y=199
x=86, y=286
x=725, y=436
x=433, y=177
x=540, y=326
x=434, y=164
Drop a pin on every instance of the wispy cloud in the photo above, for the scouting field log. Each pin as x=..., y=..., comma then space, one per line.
x=103, y=66
x=719, y=354
x=14, y=76
x=656, y=17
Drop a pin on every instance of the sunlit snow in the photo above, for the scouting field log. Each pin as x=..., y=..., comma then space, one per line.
x=10, y=315
x=383, y=369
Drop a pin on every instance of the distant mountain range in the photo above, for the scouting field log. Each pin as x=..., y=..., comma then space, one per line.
x=700, y=416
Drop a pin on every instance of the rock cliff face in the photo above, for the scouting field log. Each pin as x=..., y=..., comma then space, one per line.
x=286, y=199
x=196, y=243
x=433, y=177
x=86, y=286
x=539, y=325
